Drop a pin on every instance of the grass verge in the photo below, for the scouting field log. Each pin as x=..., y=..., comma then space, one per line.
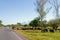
x=37, y=35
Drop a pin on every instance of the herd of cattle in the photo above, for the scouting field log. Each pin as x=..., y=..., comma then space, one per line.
x=42, y=29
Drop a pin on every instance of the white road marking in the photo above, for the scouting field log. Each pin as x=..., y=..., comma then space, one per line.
x=17, y=36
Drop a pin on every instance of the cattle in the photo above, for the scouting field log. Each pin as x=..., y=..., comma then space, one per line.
x=51, y=30
x=44, y=30
x=13, y=27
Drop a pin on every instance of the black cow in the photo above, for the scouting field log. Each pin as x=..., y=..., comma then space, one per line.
x=51, y=30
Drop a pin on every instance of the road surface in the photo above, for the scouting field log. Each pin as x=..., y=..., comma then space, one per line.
x=6, y=34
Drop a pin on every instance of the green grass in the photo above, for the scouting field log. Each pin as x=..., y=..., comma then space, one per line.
x=37, y=35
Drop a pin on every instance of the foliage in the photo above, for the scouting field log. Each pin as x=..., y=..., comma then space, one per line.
x=1, y=23
x=35, y=22
x=18, y=25
x=54, y=23
x=25, y=25
x=43, y=23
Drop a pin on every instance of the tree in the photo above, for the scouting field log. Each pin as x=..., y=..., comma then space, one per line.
x=9, y=26
x=13, y=26
x=53, y=23
x=18, y=25
x=41, y=9
x=56, y=5
x=35, y=22
x=1, y=23
x=25, y=25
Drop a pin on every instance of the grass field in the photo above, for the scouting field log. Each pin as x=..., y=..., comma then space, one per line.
x=37, y=35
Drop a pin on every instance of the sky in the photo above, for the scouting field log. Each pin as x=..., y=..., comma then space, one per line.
x=22, y=11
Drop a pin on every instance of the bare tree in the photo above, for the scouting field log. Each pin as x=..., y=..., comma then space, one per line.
x=40, y=8
x=56, y=6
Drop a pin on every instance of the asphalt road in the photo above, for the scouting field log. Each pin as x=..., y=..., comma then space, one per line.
x=6, y=34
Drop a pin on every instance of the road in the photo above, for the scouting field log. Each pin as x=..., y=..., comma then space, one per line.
x=6, y=34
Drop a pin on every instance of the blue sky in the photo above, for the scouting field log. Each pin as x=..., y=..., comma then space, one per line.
x=13, y=11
